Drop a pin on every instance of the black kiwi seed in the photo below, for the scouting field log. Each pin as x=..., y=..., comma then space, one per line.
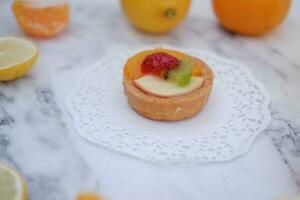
x=166, y=74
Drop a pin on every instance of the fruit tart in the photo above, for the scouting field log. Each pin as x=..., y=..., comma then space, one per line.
x=167, y=85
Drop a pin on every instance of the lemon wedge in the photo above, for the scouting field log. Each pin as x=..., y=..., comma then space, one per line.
x=12, y=185
x=17, y=56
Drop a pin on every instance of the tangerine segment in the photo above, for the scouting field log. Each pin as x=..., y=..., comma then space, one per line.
x=41, y=21
x=132, y=68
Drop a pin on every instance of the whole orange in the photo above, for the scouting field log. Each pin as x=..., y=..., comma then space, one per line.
x=251, y=17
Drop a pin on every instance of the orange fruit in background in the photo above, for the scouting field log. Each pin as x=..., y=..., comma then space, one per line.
x=155, y=16
x=251, y=17
x=41, y=20
x=88, y=196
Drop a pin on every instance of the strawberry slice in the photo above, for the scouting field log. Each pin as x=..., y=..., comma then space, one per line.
x=158, y=62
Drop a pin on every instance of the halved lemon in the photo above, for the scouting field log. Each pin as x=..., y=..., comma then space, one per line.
x=12, y=185
x=17, y=56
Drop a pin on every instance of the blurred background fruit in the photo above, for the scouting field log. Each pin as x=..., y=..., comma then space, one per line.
x=251, y=17
x=17, y=56
x=155, y=16
x=287, y=198
x=88, y=196
x=12, y=185
x=40, y=18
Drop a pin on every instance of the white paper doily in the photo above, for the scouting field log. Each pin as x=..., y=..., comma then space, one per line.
x=236, y=113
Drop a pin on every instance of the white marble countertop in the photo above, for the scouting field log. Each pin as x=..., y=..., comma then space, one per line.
x=38, y=138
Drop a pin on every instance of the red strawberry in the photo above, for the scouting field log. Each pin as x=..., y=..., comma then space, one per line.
x=157, y=62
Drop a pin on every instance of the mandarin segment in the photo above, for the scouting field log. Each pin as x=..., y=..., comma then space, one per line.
x=197, y=71
x=41, y=21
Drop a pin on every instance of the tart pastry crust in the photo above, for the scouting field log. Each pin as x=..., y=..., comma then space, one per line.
x=170, y=108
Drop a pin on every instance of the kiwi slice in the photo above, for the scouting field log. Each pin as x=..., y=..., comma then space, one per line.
x=183, y=73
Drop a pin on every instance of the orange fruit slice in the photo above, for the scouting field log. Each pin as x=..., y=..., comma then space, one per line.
x=41, y=20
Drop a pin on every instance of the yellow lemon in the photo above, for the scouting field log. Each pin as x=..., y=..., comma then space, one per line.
x=12, y=185
x=17, y=56
x=155, y=16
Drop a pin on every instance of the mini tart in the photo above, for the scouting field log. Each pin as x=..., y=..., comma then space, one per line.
x=166, y=108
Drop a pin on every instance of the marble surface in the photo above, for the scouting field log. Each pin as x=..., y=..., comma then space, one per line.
x=38, y=138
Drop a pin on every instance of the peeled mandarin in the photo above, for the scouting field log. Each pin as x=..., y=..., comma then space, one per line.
x=41, y=19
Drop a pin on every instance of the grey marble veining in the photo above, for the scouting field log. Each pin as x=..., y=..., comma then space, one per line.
x=38, y=138
x=286, y=138
x=45, y=156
